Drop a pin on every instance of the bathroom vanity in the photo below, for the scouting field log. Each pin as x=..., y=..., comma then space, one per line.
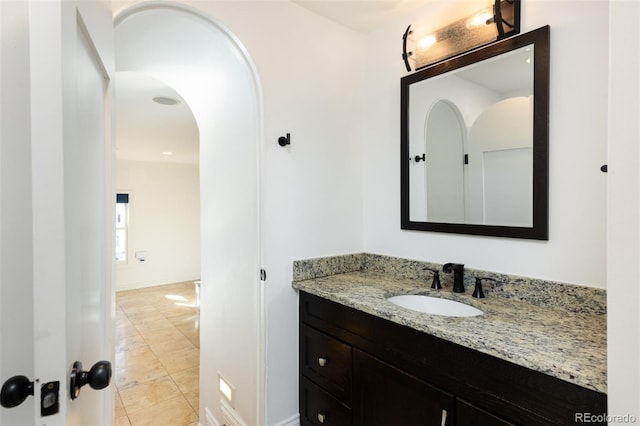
x=473, y=160
x=366, y=361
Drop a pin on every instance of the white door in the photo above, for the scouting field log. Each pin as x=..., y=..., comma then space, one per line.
x=69, y=207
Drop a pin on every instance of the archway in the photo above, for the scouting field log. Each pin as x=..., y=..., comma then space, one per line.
x=209, y=68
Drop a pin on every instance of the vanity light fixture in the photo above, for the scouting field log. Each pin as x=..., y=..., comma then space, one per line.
x=492, y=23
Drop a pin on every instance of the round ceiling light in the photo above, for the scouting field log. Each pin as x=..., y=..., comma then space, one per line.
x=163, y=100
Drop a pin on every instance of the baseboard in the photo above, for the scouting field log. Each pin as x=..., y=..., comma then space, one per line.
x=147, y=284
x=230, y=416
x=210, y=420
x=291, y=421
x=234, y=420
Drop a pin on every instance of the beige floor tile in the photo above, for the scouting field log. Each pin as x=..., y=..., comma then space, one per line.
x=131, y=376
x=120, y=313
x=125, y=296
x=142, y=395
x=122, y=421
x=187, y=380
x=154, y=336
x=177, y=361
x=157, y=356
x=126, y=331
x=170, y=293
x=132, y=305
x=174, y=412
x=145, y=316
x=193, y=336
x=176, y=342
x=173, y=293
x=193, y=398
x=118, y=408
x=142, y=358
x=188, y=319
x=158, y=324
x=132, y=345
x=170, y=310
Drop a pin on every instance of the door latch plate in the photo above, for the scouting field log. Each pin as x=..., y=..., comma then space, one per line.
x=50, y=398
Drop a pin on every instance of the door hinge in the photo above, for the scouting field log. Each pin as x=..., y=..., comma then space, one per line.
x=263, y=275
x=466, y=159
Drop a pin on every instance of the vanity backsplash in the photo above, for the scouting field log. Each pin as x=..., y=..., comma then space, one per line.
x=570, y=297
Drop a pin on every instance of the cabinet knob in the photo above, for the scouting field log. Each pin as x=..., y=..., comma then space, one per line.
x=321, y=418
x=322, y=362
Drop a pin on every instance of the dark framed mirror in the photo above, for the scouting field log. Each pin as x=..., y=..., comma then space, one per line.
x=475, y=142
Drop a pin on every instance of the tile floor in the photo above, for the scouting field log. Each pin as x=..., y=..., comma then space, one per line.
x=157, y=356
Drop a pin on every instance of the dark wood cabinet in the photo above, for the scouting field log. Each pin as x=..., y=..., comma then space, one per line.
x=318, y=407
x=326, y=361
x=360, y=369
x=468, y=414
x=384, y=395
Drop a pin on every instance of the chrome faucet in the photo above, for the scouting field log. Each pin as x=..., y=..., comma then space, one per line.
x=458, y=275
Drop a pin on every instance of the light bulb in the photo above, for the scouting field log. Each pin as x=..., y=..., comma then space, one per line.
x=425, y=42
x=480, y=19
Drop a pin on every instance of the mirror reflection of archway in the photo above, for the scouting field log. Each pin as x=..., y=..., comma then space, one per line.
x=445, y=134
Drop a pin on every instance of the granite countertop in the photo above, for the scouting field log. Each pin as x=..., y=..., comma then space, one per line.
x=550, y=339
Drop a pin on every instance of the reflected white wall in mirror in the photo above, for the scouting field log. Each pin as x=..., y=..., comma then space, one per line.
x=500, y=170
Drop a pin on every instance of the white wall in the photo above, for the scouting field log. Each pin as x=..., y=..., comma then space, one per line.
x=576, y=251
x=164, y=210
x=311, y=72
x=623, y=239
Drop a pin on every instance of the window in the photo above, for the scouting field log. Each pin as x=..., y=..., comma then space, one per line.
x=122, y=222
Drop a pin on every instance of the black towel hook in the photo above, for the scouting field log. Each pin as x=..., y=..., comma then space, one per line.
x=284, y=140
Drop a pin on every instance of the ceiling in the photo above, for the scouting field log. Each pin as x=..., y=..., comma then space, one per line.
x=361, y=15
x=146, y=129
x=506, y=73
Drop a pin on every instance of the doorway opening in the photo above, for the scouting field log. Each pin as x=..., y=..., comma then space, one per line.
x=157, y=353
x=211, y=72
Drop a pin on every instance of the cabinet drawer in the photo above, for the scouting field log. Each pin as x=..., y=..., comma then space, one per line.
x=317, y=407
x=326, y=361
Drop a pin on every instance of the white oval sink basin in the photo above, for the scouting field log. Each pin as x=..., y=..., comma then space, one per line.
x=435, y=305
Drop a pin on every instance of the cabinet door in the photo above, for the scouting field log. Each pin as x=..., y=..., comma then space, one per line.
x=384, y=395
x=468, y=414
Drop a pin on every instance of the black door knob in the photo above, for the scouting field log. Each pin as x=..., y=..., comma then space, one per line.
x=98, y=377
x=15, y=390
